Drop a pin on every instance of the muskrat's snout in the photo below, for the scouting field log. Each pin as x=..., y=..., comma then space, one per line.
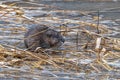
x=62, y=39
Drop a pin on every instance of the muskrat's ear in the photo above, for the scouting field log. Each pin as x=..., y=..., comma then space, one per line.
x=41, y=27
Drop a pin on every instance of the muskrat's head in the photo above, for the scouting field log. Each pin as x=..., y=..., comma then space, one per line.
x=51, y=38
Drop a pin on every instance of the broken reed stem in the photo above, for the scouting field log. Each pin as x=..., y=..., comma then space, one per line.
x=61, y=29
x=98, y=23
x=77, y=41
x=97, y=48
x=95, y=68
x=105, y=65
x=66, y=29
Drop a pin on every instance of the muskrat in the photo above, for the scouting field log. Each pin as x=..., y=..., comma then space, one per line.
x=42, y=36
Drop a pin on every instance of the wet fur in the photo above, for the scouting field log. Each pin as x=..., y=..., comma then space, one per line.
x=42, y=36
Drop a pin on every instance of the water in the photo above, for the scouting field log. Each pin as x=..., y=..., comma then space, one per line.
x=55, y=13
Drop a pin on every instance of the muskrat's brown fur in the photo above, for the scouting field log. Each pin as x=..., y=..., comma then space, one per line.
x=42, y=36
